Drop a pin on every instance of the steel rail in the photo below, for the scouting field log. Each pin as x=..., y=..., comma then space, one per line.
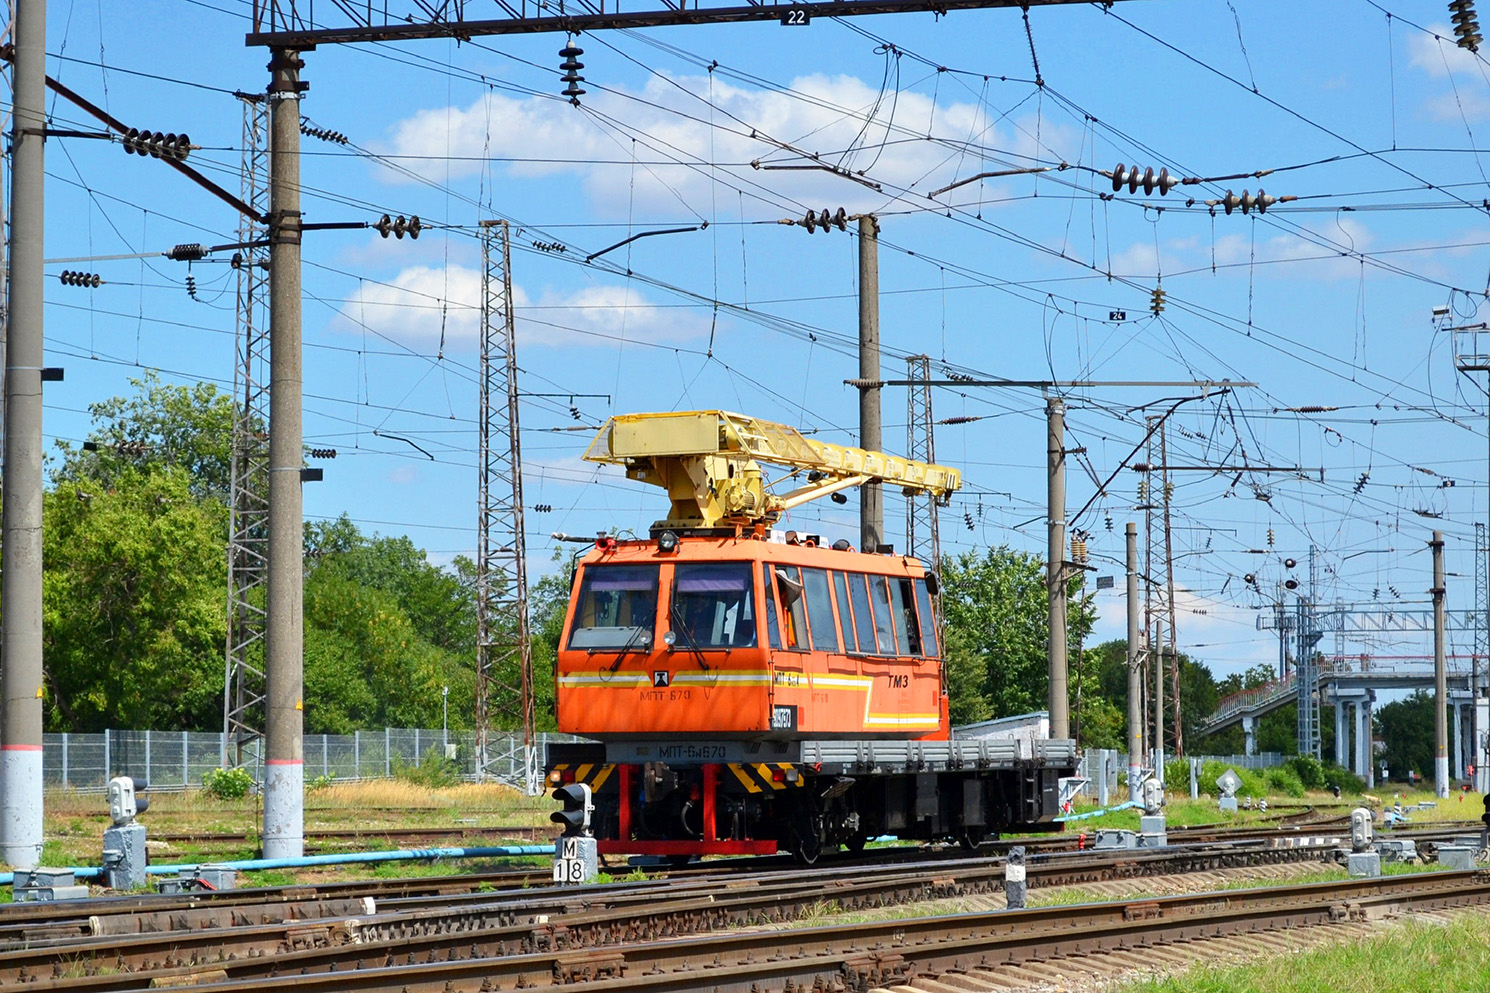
x=497, y=925
x=866, y=955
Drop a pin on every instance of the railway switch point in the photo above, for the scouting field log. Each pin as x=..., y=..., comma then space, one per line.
x=1397, y=849
x=1110, y=838
x=43, y=885
x=1456, y=856
x=204, y=878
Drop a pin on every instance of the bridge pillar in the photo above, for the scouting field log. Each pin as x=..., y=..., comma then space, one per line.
x=1479, y=750
x=1342, y=730
x=1458, y=740
x=1363, y=757
x=1249, y=730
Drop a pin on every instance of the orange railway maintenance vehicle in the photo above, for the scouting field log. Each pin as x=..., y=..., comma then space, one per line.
x=746, y=691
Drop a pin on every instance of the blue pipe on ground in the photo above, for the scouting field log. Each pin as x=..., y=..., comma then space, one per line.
x=1096, y=813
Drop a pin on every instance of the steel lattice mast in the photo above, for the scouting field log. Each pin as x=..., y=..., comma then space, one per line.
x=248, y=543
x=1481, y=603
x=922, y=537
x=1306, y=665
x=504, y=665
x=922, y=532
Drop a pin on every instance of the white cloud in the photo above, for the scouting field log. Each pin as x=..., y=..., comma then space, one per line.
x=1220, y=634
x=423, y=303
x=1437, y=54
x=403, y=475
x=1440, y=58
x=1467, y=104
x=1140, y=260
x=417, y=305
x=671, y=119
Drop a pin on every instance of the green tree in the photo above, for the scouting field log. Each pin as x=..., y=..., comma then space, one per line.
x=1407, y=729
x=548, y=600
x=367, y=666
x=1199, y=694
x=439, y=603
x=186, y=427
x=996, y=632
x=385, y=633
x=1107, y=670
x=1258, y=675
x=134, y=615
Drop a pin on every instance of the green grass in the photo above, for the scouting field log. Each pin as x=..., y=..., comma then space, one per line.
x=74, y=823
x=1179, y=812
x=1414, y=957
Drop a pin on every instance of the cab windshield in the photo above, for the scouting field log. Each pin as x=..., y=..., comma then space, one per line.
x=713, y=606
x=617, y=608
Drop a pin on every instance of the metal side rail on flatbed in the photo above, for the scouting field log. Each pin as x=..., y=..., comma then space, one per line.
x=849, y=756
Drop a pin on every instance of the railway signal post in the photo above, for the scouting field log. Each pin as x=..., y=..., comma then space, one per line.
x=576, y=856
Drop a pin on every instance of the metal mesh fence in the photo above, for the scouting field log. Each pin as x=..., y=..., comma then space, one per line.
x=174, y=760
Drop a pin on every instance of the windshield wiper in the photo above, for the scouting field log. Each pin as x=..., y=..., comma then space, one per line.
x=626, y=649
x=693, y=649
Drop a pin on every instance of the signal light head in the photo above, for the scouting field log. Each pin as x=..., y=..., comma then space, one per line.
x=578, y=809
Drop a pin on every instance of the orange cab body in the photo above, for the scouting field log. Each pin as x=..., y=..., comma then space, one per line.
x=744, y=638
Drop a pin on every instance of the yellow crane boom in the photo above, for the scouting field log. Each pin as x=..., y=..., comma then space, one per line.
x=709, y=461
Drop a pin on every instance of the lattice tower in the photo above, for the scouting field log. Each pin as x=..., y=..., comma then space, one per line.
x=248, y=541
x=922, y=533
x=504, y=687
x=1481, y=604
x=1306, y=665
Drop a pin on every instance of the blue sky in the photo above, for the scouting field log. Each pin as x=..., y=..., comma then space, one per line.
x=1326, y=302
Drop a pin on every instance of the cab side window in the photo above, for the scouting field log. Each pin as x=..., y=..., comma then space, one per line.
x=863, y=615
x=793, y=608
x=845, y=612
x=820, y=610
x=773, y=625
x=928, y=619
x=907, y=631
x=884, y=623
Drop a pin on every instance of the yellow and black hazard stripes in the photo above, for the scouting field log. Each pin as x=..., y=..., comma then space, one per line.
x=767, y=777
x=594, y=774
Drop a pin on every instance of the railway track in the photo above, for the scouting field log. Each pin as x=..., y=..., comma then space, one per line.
x=968, y=951
x=244, y=936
